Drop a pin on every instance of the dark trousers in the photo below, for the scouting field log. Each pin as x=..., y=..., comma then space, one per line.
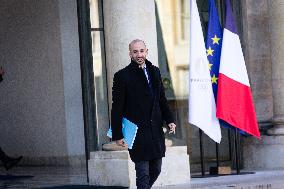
x=147, y=173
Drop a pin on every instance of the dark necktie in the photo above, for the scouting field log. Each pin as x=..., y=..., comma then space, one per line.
x=148, y=79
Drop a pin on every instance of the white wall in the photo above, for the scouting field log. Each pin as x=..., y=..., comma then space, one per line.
x=40, y=97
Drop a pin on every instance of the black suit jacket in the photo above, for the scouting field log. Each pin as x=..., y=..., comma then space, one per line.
x=132, y=98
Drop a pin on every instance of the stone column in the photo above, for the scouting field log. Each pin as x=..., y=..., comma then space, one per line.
x=264, y=52
x=125, y=20
x=255, y=25
x=276, y=21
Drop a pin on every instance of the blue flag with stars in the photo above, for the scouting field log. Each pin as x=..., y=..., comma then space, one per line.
x=214, y=45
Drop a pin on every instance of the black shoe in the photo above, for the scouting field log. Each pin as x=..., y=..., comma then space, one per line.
x=11, y=162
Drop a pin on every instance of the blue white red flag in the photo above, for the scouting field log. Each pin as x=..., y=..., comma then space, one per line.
x=234, y=97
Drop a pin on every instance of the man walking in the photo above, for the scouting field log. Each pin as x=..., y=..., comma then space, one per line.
x=138, y=95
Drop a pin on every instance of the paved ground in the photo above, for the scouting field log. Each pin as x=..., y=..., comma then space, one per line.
x=73, y=178
x=41, y=177
x=258, y=180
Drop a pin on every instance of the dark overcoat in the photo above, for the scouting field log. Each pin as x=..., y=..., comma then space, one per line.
x=133, y=99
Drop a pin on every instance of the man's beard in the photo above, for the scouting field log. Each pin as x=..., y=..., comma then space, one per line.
x=140, y=60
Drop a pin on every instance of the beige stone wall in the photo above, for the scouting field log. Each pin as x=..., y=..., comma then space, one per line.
x=256, y=43
x=276, y=23
x=264, y=39
x=41, y=104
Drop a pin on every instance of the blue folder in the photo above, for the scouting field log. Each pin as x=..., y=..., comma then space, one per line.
x=129, y=131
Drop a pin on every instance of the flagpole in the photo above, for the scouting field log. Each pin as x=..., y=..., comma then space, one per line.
x=230, y=144
x=201, y=152
x=222, y=7
x=217, y=155
x=237, y=151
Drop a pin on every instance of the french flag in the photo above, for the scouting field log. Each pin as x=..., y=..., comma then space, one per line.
x=234, y=97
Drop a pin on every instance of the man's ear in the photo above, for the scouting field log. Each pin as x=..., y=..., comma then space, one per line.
x=130, y=55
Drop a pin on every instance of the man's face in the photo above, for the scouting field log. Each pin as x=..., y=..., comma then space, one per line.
x=138, y=52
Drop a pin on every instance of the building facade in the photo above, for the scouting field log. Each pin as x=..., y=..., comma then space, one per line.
x=60, y=56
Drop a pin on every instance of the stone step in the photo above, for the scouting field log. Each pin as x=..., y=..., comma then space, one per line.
x=115, y=168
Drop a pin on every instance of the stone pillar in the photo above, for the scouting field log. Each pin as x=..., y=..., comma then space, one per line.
x=125, y=20
x=276, y=21
x=265, y=57
x=255, y=24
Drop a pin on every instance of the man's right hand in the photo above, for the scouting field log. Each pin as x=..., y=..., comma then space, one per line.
x=121, y=142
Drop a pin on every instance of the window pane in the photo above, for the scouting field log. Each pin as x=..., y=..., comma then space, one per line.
x=100, y=86
x=96, y=13
x=173, y=54
x=173, y=20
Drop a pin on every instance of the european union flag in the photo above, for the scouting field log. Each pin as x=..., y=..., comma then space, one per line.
x=214, y=45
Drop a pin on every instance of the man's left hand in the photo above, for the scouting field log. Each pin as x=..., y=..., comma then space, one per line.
x=172, y=127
